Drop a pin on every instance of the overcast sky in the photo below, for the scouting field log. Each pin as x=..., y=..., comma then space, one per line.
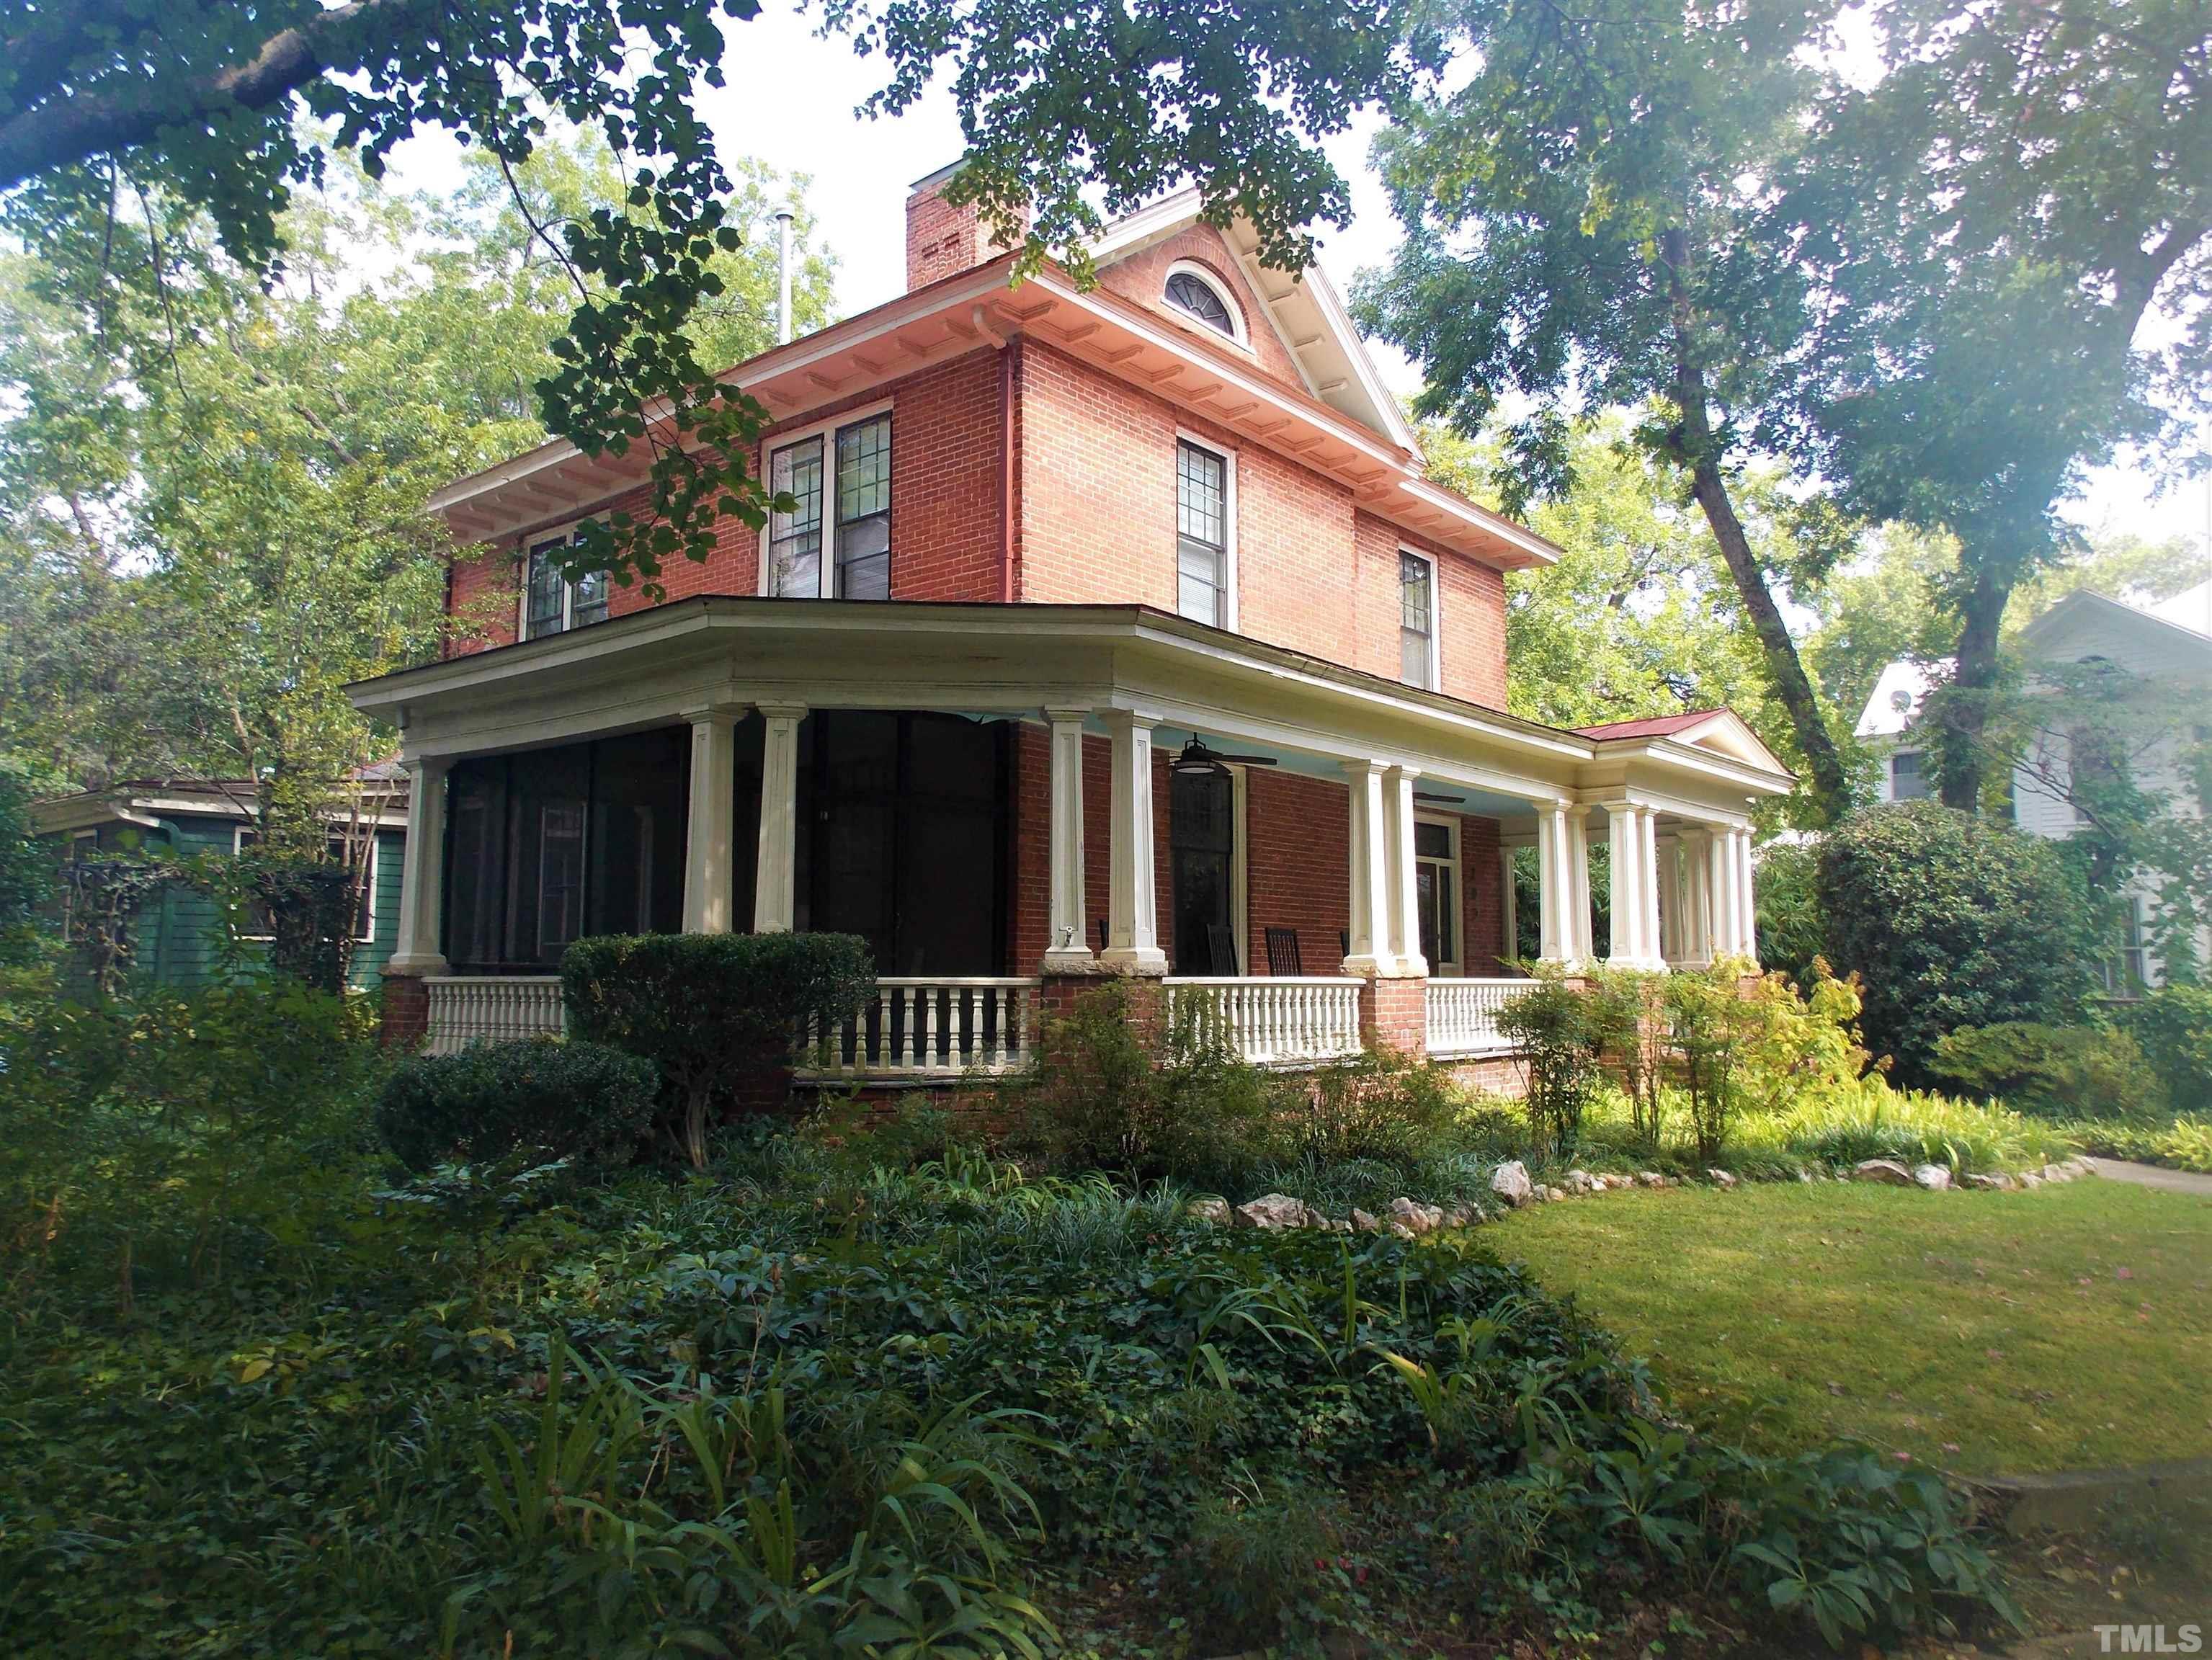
x=790, y=101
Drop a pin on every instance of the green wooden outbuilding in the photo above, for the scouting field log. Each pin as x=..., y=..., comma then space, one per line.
x=179, y=931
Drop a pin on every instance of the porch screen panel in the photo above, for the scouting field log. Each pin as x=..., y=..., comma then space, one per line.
x=546, y=846
x=848, y=801
x=949, y=874
x=638, y=808
x=1201, y=833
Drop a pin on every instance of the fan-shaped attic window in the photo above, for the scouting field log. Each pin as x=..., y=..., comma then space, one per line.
x=1196, y=295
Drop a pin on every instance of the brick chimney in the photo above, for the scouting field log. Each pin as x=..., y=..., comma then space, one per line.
x=942, y=239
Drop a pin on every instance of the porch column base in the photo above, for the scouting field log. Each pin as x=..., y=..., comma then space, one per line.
x=1394, y=1013
x=406, y=1014
x=1133, y=962
x=1143, y=999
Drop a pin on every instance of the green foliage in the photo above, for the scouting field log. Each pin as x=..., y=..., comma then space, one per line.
x=2054, y=1072
x=2173, y=1025
x=26, y=873
x=1625, y=1009
x=1792, y=931
x=714, y=1011
x=1949, y=921
x=1262, y=1566
x=1382, y=1105
x=1054, y=119
x=308, y=905
x=578, y=1101
x=2182, y=1143
x=1108, y=1094
x=1557, y=1033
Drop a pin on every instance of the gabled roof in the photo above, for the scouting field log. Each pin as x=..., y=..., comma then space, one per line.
x=1720, y=731
x=1359, y=439
x=1305, y=311
x=1895, y=702
x=2154, y=623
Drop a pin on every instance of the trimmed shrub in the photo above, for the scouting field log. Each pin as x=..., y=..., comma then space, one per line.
x=583, y=1102
x=1949, y=919
x=1382, y=1105
x=2055, y=1072
x=2173, y=1025
x=713, y=1010
x=1793, y=930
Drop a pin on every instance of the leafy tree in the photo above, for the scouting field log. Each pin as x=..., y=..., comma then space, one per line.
x=111, y=110
x=26, y=873
x=1639, y=617
x=1990, y=222
x=1579, y=232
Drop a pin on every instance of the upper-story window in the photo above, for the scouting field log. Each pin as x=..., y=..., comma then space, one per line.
x=840, y=481
x=1908, y=778
x=1416, y=620
x=1195, y=293
x=1201, y=534
x=552, y=602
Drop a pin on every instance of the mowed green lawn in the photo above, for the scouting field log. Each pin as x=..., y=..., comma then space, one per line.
x=1991, y=1333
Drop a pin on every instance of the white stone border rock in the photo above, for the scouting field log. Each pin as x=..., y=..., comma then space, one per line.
x=1512, y=1184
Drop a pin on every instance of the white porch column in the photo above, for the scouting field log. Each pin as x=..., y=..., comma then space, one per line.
x=1631, y=882
x=1509, y=907
x=1066, y=949
x=1697, y=928
x=775, y=883
x=1648, y=869
x=1720, y=867
x=1748, y=926
x=1555, y=939
x=1670, y=896
x=709, y=860
x=422, y=871
x=1402, y=876
x=1132, y=924
x=1369, y=851
x=1582, y=951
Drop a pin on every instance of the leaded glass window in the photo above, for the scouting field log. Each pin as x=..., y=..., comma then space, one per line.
x=1191, y=293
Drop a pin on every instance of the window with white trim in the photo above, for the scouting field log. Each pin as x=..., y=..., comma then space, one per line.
x=839, y=481
x=1436, y=892
x=1201, y=533
x=1417, y=619
x=1908, y=778
x=259, y=924
x=1198, y=295
x=551, y=602
x=2127, y=969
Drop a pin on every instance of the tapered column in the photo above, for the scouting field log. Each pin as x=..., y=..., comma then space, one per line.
x=1509, y=909
x=1369, y=851
x=1749, y=927
x=1624, y=841
x=1647, y=820
x=1132, y=922
x=1066, y=950
x=1670, y=897
x=1585, y=950
x=775, y=887
x=1720, y=866
x=1401, y=876
x=709, y=857
x=422, y=872
x=1555, y=944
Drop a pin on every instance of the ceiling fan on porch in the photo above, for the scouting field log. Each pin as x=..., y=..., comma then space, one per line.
x=1196, y=760
x=1430, y=795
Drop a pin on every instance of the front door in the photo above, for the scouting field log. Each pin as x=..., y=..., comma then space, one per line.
x=1201, y=847
x=1436, y=885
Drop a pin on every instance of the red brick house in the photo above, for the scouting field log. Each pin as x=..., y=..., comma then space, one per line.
x=1118, y=632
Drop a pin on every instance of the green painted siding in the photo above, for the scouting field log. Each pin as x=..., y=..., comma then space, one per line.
x=180, y=934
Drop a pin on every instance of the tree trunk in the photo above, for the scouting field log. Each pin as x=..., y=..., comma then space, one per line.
x=1695, y=448
x=1962, y=734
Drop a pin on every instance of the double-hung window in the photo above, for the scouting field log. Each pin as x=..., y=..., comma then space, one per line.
x=1416, y=620
x=1908, y=778
x=1201, y=534
x=551, y=602
x=839, y=482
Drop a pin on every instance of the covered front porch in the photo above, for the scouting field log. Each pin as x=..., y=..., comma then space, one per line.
x=1009, y=803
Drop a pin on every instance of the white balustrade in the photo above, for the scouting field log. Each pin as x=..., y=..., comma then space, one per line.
x=929, y=1027
x=1275, y=1020
x=491, y=1009
x=1464, y=1015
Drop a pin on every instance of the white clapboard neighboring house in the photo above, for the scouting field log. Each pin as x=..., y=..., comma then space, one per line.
x=2162, y=656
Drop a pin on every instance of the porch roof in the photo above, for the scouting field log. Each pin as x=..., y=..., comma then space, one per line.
x=649, y=667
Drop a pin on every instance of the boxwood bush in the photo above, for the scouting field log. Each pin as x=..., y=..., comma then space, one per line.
x=1951, y=920
x=579, y=1101
x=2054, y=1072
x=714, y=1011
x=2175, y=1027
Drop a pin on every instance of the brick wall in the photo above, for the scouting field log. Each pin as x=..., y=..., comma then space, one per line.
x=941, y=239
x=1481, y=890
x=1142, y=277
x=1297, y=865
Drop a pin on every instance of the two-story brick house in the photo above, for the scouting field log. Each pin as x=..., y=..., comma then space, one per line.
x=1117, y=631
